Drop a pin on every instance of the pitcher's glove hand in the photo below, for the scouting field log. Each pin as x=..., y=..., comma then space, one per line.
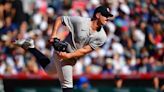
x=58, y=45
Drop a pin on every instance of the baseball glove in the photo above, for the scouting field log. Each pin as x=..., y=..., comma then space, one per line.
x=60, y=46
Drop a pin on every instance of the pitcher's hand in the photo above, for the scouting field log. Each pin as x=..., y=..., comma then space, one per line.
x=51, y=40
x=64, y=55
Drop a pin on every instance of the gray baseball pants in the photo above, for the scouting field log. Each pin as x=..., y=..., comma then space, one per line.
x=64, y=70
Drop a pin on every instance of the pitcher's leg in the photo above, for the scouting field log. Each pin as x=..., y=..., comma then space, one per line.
x=28, y=44
x=67, y=89
x=67, y=76
x=41, y=58
x=65, y=73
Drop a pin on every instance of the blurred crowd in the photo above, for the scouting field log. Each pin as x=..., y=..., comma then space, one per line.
x=135, y=41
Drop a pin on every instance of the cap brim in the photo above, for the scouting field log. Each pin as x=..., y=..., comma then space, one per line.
x=108, y=15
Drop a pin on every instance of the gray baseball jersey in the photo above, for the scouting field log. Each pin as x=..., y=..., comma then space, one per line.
x=82, y=34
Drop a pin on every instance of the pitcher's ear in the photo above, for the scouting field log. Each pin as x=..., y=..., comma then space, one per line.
x=98, y=15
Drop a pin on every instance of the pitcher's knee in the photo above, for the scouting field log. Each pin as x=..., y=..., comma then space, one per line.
x=66, y=84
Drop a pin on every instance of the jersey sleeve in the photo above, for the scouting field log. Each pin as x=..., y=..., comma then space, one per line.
x=66, y=20
x=70, y=21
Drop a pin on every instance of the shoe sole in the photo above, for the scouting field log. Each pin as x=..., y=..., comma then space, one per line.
x=26, y=45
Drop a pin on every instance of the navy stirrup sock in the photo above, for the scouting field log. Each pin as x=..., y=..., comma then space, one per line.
x=67, y=89
x=41, y=58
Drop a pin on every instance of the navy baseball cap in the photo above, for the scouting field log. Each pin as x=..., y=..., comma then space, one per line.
x=104, y=11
